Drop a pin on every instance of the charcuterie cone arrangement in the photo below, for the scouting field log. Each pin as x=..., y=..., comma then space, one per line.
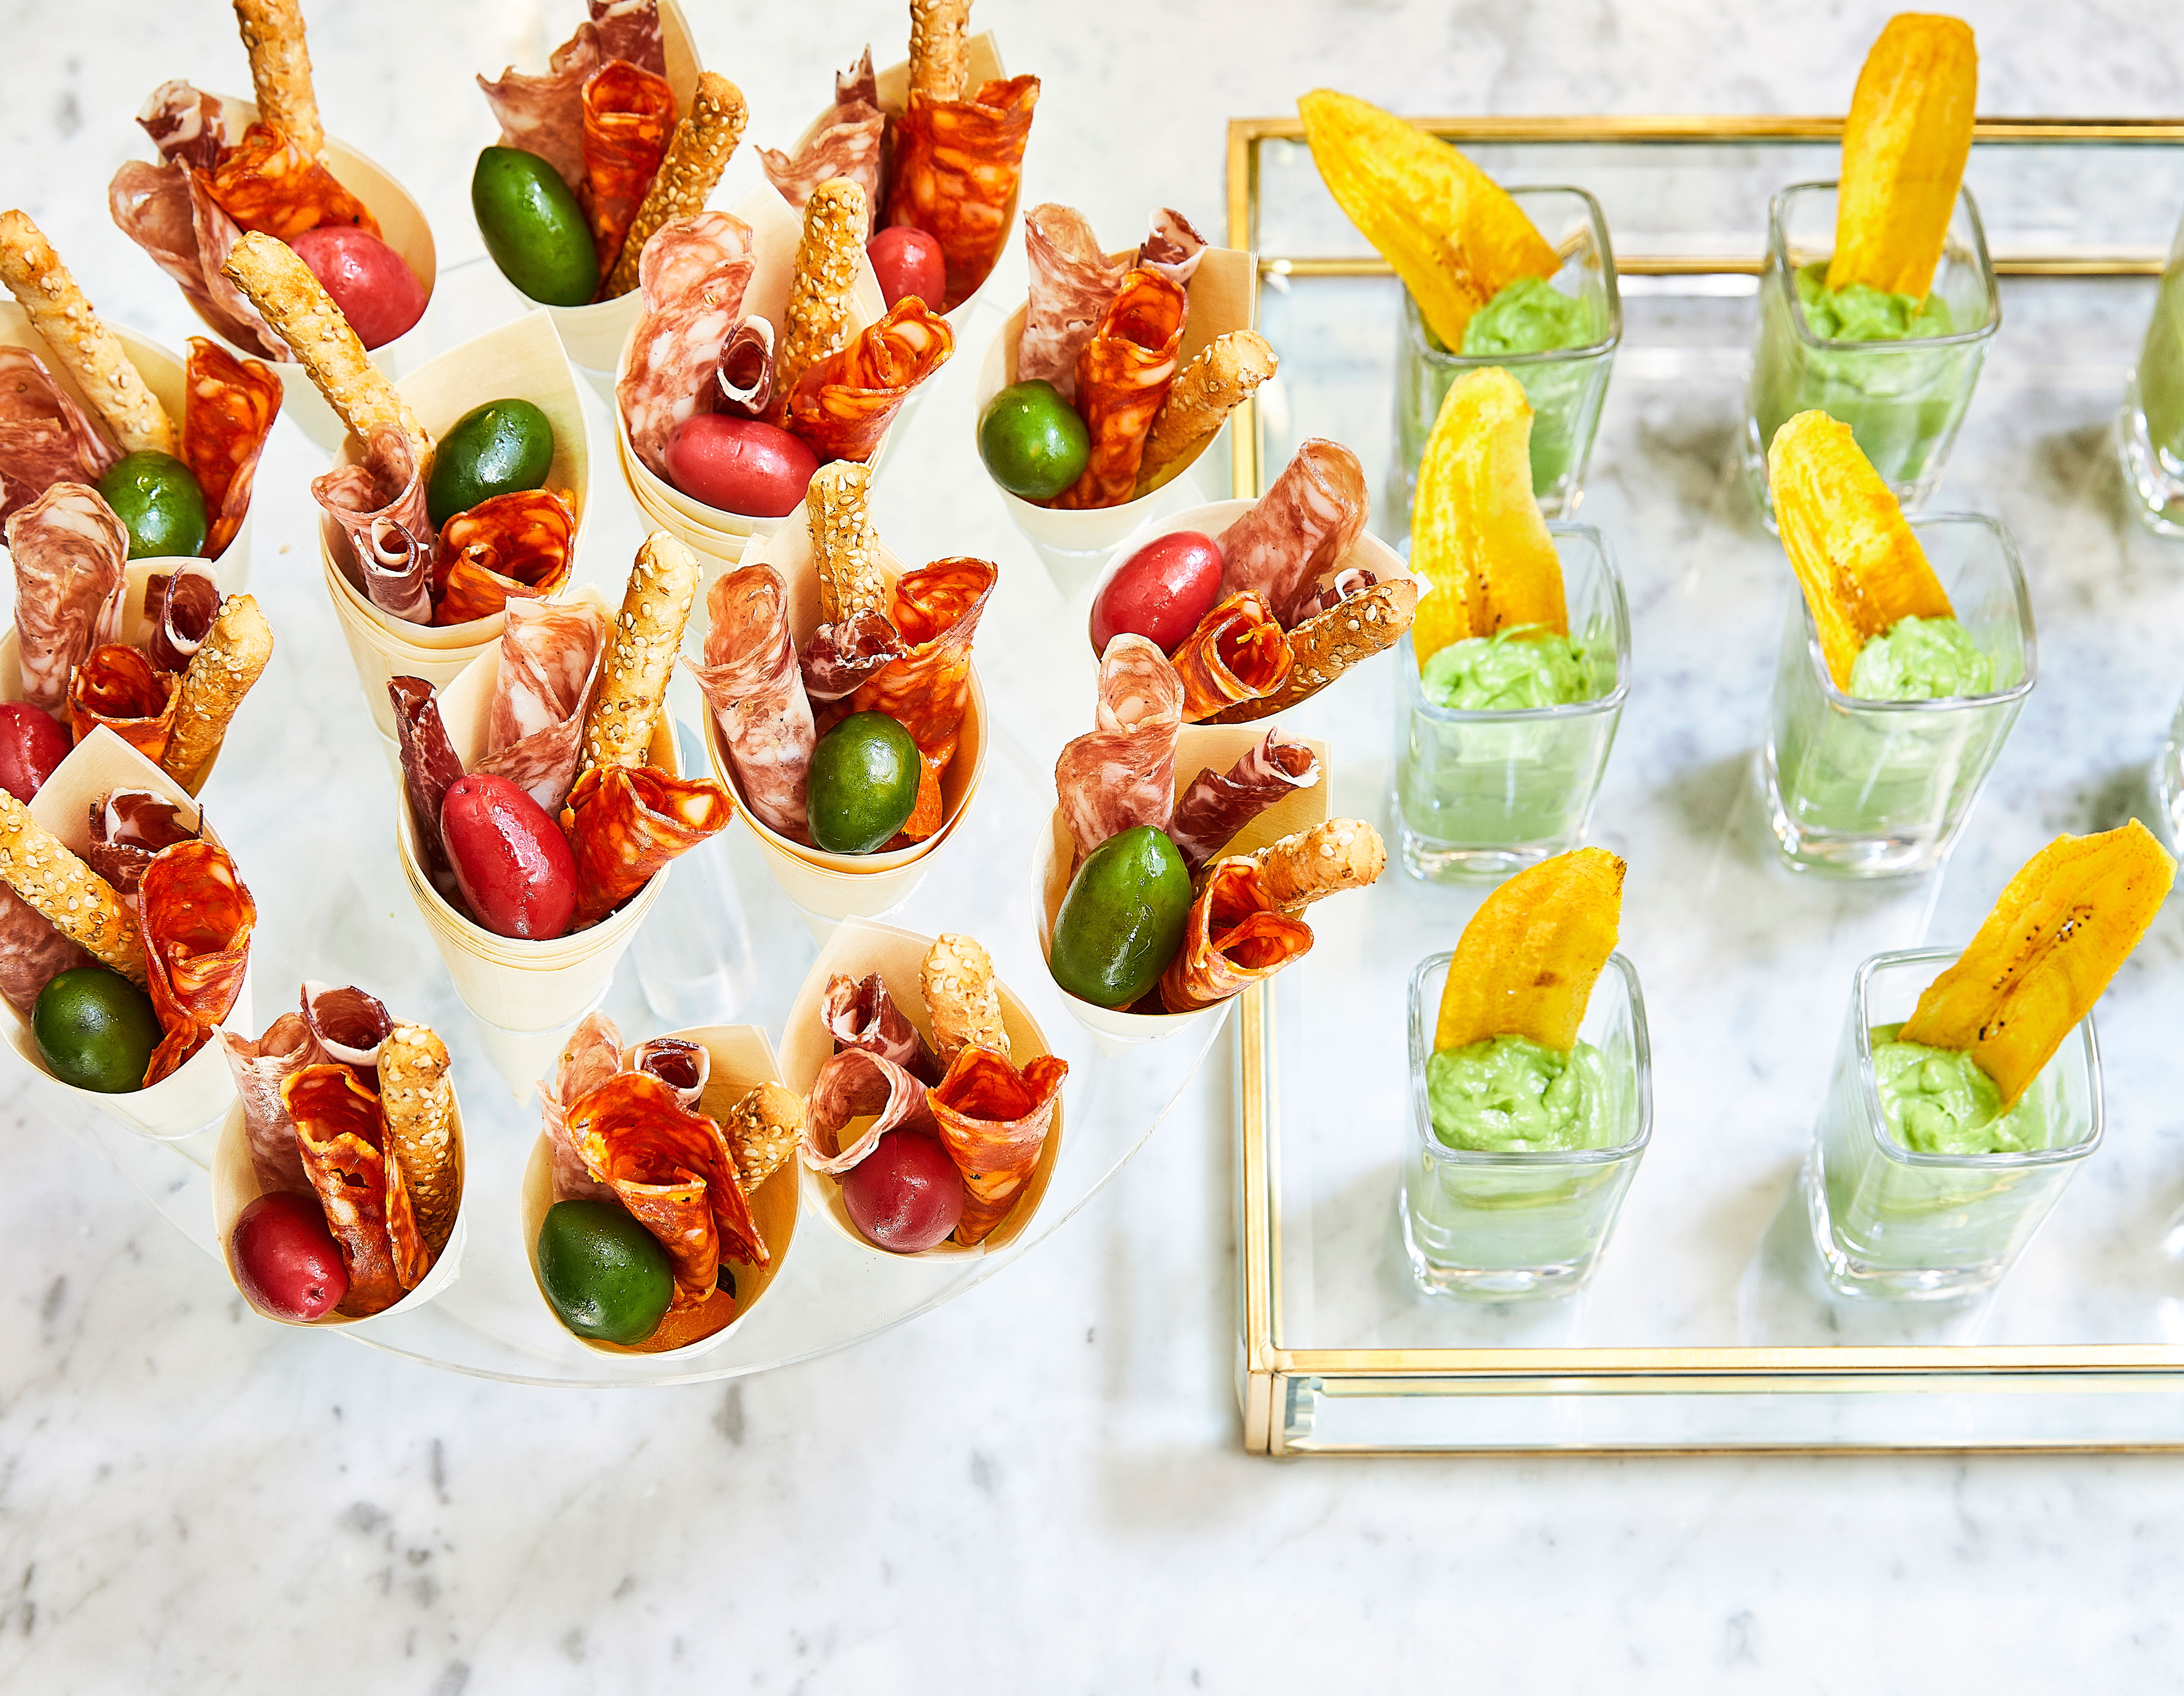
x=661, y=1197
x=931, y=1103
x=228, y=168
x=337, y=1186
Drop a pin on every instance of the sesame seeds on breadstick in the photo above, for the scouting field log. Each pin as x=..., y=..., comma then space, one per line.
x=83, y=346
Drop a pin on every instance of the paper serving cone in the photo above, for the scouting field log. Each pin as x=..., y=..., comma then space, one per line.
x=857, y=949
x=1069, y=544
x=197, y=1093
x=1201, y=747
x=743, y=1059
x=522, y=359
x=235, y=1187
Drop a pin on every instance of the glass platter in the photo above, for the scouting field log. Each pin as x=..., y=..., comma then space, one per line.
x=1707, y=1326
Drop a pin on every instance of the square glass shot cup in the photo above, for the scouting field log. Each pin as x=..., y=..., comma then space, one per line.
x=2169, y=784
x=1878, y=788
x=2150, y=427
x=1902, y=400
x=1893, y=1225
x=1565, y=386
x=1480, y=795
x=1498, y=1227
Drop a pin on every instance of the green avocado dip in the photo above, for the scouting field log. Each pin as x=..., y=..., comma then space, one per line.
x=1510, y=1095
x=1526, y=666
x=1531, y=315
x=1862, y=313
x=1921, y=659
x=1937, y=1100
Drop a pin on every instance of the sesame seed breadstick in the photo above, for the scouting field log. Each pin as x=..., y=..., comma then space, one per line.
x=418, y=1105
x=962, y=1000
x=84, y=347
x=819, y=292
x=1340, y=854
x=845, y=545
x=697, y=153
x=280, y=70
x=231, y=658
x=1223, y=376
x=940, y=48
x=75, y=900
x=1329, y=643
x=762, y=1130
x=648, y=633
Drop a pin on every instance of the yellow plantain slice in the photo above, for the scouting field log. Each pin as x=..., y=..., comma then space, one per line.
x=1861, y=568
x=1476, y=534
x=1453, y=237
x=1904, y=151
x=1532, y=952
x=2062, y=928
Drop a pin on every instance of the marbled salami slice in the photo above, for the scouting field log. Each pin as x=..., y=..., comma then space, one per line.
x=379, y=507
x=116, y=686
x=928, y=689
x=45, y=438
x=550, y=660
x=544, y=115
x=847, y=145
x=1219, y=804
x=197, y=918
x=186, y=124
x=1073, y=283
x=592, y=1055
x=1234, y=939
x=506, y=547
x=32, y=953
x=128, y=828
x=743, y=384
x=691, y=281
x=844, y=405
x=260, y=1069
x=839, y=657
x=751, y=678
x=68, y=549
x=957, y=164
x=430, y=768
x=228, y=409
x=625, y=824
x=1238, y=653
x=266, y=182
x=350, y=1024
x=1173, y=248
x=1122, y=773
x=180, y=605
x=629, y=113
x=859, y=1012
x=1124, y=374
x=1300, y=528
x=682, y=1065
x=341, y=1138
x=850, y=1085
x=167, y=211
x=994, y=1121
x=630, y=30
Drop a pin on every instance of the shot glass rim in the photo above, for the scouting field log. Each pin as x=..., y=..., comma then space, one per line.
x=1877, y=1121
x=1597, y=220
x=2028, y=637
x=1641, y=1066
x=1407, y=665
x=1778, y=265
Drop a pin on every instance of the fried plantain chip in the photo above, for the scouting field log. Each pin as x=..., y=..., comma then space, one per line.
x=1904, y=151
x=1532, y=952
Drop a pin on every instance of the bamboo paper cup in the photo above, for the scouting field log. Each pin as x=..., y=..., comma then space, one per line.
x=1201, y=747
x=743, y=1059
x=164, y=375
x=857, y=949
x=522, y=359
x=235, y=1187
x=1221, y=301
x=197, y=1092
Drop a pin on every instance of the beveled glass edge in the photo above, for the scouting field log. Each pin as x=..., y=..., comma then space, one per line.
x=1596, y=222
x=1777, y=271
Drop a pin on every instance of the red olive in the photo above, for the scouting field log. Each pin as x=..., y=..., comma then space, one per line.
x=511, y=860
x=905, y=1195
x=379, y=294
x=30, y=746
x=908, y=262
x=1160, y=592
x=286, y=1261
x=740, y=465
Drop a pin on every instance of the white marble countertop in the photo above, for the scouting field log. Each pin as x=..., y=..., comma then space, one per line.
x=1040, y=1486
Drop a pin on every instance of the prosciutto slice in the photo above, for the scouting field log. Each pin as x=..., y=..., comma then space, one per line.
x=630, y=30
x=848, y=144
x=1174, y=249
x=928, y=689
x=197, y=918
x=592, y=1055
x=994, y=1121
x=168, y=209
x=1073, y=282
x=259, y=1069
x=1124, y=374
x=430, y=768
x=380, y=507
x=690, y=281
x=850, y=1085
x=544, y=115
x=180, y=605
x=859, y=1012
x=1238, y=653
x=844, y=405
x=957, y=167
x=1233, y=938
x=186, y=124
x=682, y=1065
x=348, y=1023
x=839, y=657
x=549, y=662
x=1300, y=529
x=1218, y=805
x=128, y=828
x=45, y=437
x=751, y=678
x=342, y=1137
x=228, y=409
x=69, y=550
x=1122, y=773
x=32, y=953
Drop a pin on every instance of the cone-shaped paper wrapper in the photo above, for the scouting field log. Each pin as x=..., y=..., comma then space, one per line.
x=1201, y=747
x=743, y=1059
x=522, y=1058
x=164, y=375
x=857, y=949
x=197, y=1094
x=1221, y=301
x=775, y=229
x=403, y=227
x=235, y=1187
x=523, y=359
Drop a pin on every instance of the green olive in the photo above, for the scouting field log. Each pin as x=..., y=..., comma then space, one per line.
x=534, y=227
x=158, y=498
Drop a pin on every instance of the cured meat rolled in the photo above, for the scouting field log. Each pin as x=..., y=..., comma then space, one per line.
x=550, y=660
x=128, y=828
x=506, y=547
x=1124, y=374
x=430, y=768
x=690, y=283
x=1345, y=585
x=751, y=678
x=673, y=1170
x=45, y=438
x=839, y=657
x=592, y=1055
x=993, y=1120
x=1174, y=248
x=342, y=1139
x=857, y=1084
x=198, y=918
x=379, y=506
x=69, y=550
x=1300, y=528
x=629, y=115
x=168, y=210
x=259, y=1069
x=228, y=410
x=928, y=689
x=1233, y=937
x=1122, y=773
x=1073, y=283
x=544, y=114
x=180, y=605
x=266, y=182
x=1238, y=653
x=626, y=822
x=743, y=387
x=32, y=953
x=117, y=687
x=859, y=1012
x=349, y=1025
x=957, y=164
x=1218, y=805
x=844, y=405
x=848, y=144
x=682, y=1065
x=186, y=124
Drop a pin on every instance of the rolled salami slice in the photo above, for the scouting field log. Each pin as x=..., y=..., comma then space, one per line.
x=1073, y=283
x=859, y=1014
x=629, y=115
x=630, y=30
x=675, y=1173
x=197, y=918
x=626, y=822
x=839, y=657
x=430, y=768
x=1346, y=585
x=342, y=1142
x=169, y=211
x=847, y=145
x=682, y=1065
x=69, y=550
x=1174, y=249
x=927, y=690
x=506, y=547
x=994, y=1121
x=544, y=114
x=45, y=438
x=32, y=953
x=1238, y=653
x=186, y=124
x=228, y=411
x=1122, y=773
x=117, y=687
x=751, y=679
x=180, y=605
x=128, y=828
x=550, y=662
x=743, y=384
x=350, y=1025
x=1124, y=374
x=957, y=164
x=690, y=282
x=592, y=1055
x=1300, y=528
x=259, y=1069
x=266, y=182
x=380, y=507
x=853, y=1085
x=844, y=405
x=1233, y=937
x=1219, y=804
